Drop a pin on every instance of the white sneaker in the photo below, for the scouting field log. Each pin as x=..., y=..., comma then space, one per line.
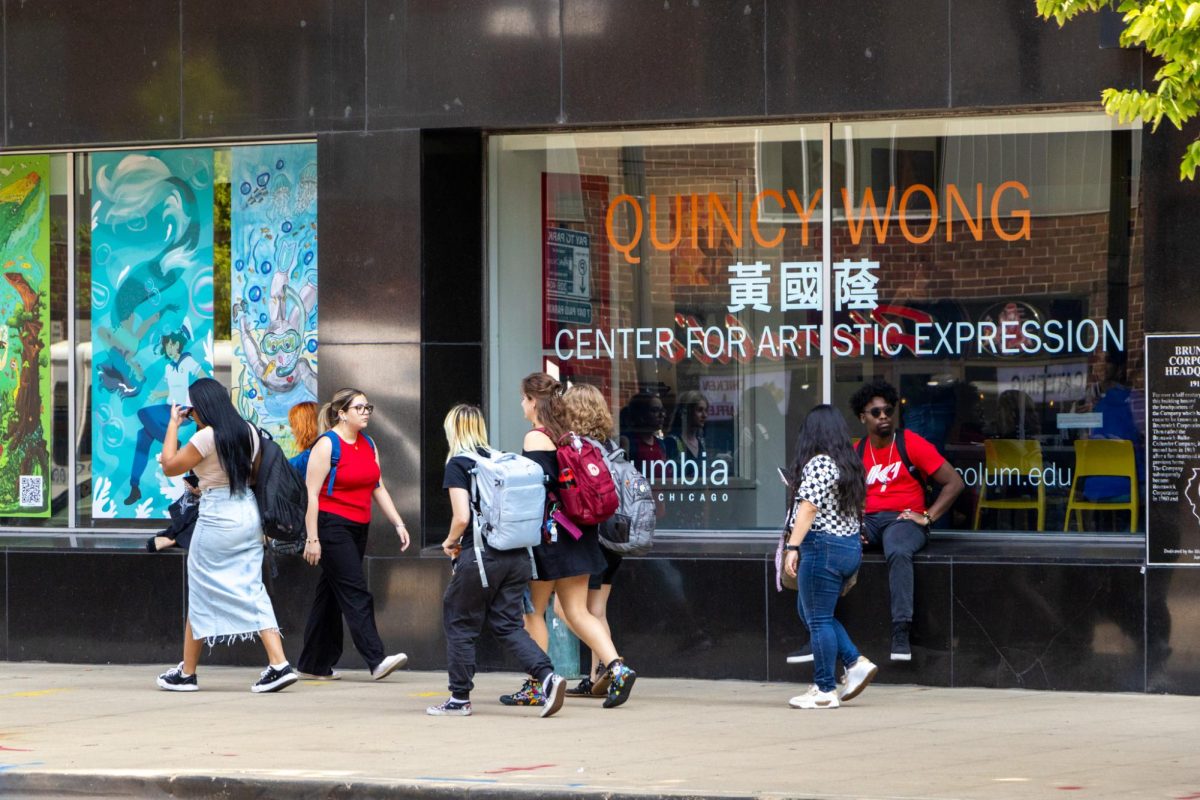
x=815, y=698
x=388, y=666
x=858, y=675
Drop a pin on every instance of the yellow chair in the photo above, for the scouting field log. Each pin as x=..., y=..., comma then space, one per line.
x=1110, y=457
x=1013, y=458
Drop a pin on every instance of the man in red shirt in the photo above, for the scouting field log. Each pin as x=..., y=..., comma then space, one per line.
x=896, y=517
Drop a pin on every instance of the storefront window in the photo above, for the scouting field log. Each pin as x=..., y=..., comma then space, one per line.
x=989, y=268
x=679, y=272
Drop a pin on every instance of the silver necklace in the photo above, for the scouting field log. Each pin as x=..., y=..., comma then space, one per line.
x=874, y=463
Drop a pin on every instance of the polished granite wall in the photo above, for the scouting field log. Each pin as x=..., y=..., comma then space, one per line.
x=1054, y=620
x=396, y=94
x=82, y=72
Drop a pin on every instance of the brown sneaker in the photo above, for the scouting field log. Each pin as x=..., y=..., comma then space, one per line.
x=582, y=689
x=603, y=679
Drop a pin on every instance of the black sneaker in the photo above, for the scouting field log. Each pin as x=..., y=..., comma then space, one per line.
x=622, y=678
x=530, y=694
x=273, y=680
x=554, y=690
x=173, y=680
x=450, y=708
x=582, y=689
x=901, y=650
x=802, y=656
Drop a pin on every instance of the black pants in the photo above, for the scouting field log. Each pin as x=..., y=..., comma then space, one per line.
x=899, y=539
x=467, y=606
x=341, y=592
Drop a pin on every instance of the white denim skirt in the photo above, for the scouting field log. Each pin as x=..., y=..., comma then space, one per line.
x=227, y=601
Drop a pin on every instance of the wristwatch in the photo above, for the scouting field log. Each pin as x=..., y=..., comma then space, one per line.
x=795, y=547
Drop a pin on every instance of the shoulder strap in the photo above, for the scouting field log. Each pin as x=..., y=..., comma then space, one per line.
x=861, y=448
x=335, y=455
x=902, y=449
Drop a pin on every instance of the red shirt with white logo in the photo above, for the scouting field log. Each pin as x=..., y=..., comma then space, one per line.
x=889, y=485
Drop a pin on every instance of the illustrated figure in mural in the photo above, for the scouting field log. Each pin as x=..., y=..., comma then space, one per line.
x=122, y=373
x=275, y=355
x=181, y=370
x=138, y=184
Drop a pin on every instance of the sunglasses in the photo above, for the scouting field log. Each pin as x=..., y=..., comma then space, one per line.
x=882, y=411
x=362, y=408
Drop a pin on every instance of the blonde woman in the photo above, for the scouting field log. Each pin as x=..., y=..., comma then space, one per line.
x=588, y=415
x=339, y=514
x=467, y=604
x=564, y=564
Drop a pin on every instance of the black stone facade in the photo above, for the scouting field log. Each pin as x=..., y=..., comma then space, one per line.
x=398, y=95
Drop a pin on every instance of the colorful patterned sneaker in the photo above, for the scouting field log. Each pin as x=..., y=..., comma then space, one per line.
x=582, y=689
x=275, y=680
x=450, y=708
x=530, y=694
x=815, y=698
x=554, y=690
x=622, y=678
x=173, y=681
x=603, y=679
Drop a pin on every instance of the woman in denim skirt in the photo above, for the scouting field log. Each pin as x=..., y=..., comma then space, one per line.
x=823, y=551
x=227, y=601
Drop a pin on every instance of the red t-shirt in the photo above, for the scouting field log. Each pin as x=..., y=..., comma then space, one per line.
x=356, y=478
x=889, y=486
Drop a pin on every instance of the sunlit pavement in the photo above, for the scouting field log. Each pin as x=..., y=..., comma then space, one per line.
x=69, y=730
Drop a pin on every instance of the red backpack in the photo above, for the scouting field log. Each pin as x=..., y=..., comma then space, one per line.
x=586, y=489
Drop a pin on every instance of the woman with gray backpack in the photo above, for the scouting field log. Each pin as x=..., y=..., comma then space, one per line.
x=626, y=532
x=490, y=570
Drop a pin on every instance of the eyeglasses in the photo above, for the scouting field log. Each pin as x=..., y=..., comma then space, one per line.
x=884, y=411
x=363, y=408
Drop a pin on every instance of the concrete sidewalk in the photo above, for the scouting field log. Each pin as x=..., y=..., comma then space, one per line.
x=69, y=730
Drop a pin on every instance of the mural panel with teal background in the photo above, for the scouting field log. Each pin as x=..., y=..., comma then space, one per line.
x=152, y=317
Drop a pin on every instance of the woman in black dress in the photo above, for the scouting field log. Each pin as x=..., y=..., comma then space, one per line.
x=563, y=562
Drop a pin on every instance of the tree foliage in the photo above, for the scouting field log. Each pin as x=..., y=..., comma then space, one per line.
x=1170, y=31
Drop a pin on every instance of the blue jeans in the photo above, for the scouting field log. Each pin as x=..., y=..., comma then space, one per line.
x=826, y=561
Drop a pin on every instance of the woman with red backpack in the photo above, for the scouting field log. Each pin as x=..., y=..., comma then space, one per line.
x=564, y=562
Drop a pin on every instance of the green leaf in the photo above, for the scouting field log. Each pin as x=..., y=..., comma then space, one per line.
x=1191, y=16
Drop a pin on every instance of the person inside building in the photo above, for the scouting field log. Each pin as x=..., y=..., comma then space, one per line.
x=642, y=439
x=898, y=465
x=691, y=415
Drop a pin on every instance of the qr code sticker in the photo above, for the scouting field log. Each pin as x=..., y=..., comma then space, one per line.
x=31, y=491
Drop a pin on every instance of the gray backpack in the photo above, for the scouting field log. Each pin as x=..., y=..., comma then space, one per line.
x=508, y=499
x=630, y=531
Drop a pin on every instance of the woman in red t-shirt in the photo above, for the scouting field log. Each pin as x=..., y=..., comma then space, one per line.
x=337, y=521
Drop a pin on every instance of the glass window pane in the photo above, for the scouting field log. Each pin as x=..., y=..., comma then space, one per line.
x=988, y=270
x=680, y=272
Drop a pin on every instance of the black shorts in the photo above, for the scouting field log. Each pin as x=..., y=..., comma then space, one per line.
x=605, y=576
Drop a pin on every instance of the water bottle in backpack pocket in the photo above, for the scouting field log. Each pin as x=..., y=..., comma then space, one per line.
x=587, y=492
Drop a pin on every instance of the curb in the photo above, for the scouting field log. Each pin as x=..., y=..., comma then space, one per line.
x=203, y=787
